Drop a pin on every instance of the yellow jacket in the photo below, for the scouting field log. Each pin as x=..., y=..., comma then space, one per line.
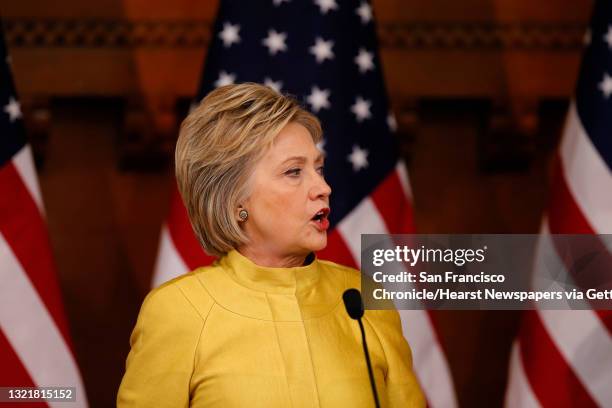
x=235, y=334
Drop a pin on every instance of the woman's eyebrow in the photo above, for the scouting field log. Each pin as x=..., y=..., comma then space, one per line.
x=294, y=158
x=320, y=157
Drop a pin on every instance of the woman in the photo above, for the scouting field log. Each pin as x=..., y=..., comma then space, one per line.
x=265, y=325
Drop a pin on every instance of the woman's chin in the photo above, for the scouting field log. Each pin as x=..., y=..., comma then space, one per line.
x=319, y=245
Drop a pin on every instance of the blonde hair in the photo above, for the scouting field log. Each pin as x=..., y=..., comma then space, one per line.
x=219, y=143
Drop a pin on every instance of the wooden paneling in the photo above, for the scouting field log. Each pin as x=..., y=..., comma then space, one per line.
x=157, y=51
x=506, y=51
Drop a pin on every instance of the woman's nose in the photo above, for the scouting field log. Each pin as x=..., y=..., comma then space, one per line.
x=320, y=189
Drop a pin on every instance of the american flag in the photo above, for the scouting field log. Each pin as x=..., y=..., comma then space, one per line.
x=35, y=345
x=323, y=52
x=564, y=358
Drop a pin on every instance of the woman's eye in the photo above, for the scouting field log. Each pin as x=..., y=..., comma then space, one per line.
x=321, y=170
x=293, y=172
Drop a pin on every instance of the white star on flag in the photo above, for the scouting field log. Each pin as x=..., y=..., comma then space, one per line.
x=279, y=2
x=391, y=122
x=225, y=79
x=361, y=109
x=358, y=158
x=229, y=35
x=13, y=109
x=322, y=49
x=275, y=41
x=318, y=98
x=365, y=12
x=276, y=85
x=365, y=60
x=326, y=5
x=608, y=36
x=606, y=85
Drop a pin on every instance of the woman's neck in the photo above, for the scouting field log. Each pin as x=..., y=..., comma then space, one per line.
x=271, y=260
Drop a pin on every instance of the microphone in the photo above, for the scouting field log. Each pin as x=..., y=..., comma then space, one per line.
x=354, y=308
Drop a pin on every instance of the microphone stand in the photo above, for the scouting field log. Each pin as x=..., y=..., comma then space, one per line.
x=367, y=356
x=354, y=308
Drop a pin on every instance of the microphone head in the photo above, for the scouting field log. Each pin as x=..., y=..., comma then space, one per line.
x=353, y=303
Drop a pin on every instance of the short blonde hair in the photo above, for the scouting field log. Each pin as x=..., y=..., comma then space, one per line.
x=219, y=143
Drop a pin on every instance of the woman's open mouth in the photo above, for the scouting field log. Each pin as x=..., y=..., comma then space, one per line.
x=320, y=219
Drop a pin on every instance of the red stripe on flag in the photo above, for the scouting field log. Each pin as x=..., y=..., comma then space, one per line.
x=551, y=378
x=183, y=236
x=565, y=217
x=13, y=373
x=337, y=251
x=393, y=206
x=25, y=232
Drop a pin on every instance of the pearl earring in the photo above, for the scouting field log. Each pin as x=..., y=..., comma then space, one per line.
x=243, y=214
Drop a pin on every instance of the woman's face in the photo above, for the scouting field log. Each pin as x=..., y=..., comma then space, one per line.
x=287, y=192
